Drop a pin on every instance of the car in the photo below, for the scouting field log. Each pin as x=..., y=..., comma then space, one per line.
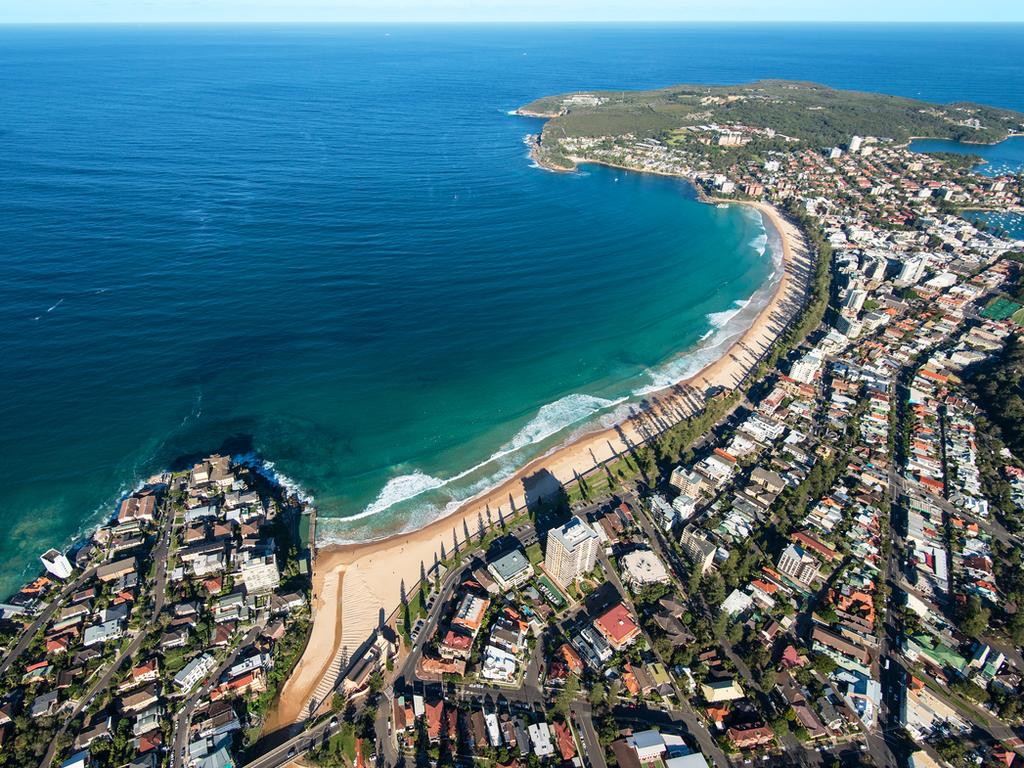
x=334, y=721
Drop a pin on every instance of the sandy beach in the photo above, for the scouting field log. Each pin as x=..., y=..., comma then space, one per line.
x=368, y=577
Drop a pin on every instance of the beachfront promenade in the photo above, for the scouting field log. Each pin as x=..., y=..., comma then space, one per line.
x=356, y=585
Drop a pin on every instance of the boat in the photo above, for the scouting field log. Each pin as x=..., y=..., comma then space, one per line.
x=722, y=205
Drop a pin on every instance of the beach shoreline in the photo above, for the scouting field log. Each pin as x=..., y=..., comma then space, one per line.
x=367, y=578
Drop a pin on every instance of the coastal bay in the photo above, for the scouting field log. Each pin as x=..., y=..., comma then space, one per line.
x=375, y=325
x=370, y=577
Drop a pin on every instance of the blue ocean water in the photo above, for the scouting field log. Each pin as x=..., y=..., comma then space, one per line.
x=327, y=244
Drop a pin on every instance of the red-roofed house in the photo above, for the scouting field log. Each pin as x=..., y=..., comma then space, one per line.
x=745, y=737
x=572, y=659
x=434, y=711
x=455, y=645
x=566, y=743
x=617, y=626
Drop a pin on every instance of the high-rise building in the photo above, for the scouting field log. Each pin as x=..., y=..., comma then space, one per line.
x=698, y=548
x=571, y=552
x=912, y=270
x=56, y=563
x=798, y=564
x=855, y=143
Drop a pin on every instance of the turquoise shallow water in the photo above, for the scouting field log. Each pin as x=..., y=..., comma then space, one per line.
x=328, y=245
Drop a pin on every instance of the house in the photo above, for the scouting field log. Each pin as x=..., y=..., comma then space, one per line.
x=749, y=736
x=498, y=664
x=142, y=699
x=716, y=691
x=648, y=745
x=511, y=570
x=194, y=671
x=137, y=508
x=572, y=659
x=737, y=602
x=287, y=603
x=96, y=731
x=566, y=742
x=77, y=760
x=145, y=672
x=434, y=711
x=767, y=479
x=45, y=704
x=147, y=720
x=540, y=739
x=617, y=627
x=113, y=571
x=358, y=677
x=692, y=760
x=102, y=633
x=253, y=681
x=455, y=645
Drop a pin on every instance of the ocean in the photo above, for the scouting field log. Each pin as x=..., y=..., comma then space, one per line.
x=327, y=245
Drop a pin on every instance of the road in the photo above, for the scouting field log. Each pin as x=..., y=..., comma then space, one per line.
x=159, y=556
x=294, y=747
x=592, y=749
x=182, y=722
x=448, y=583
x=43, y=619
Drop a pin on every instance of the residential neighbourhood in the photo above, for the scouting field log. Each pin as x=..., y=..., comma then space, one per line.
x=162, y=638
x=821, y=566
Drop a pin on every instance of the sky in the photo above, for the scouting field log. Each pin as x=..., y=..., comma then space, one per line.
x=116, y=11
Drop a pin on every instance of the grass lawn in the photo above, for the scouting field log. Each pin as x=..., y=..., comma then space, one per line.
x=534, y=554
x=174, y=660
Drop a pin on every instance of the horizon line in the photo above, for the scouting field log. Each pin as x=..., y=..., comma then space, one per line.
x=498, y=22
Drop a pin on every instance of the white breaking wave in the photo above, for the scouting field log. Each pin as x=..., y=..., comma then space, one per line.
x=399, y=489
x=570, y=410
x=549, y=421
x=554, y=417
x=721, y=319
x=266, y=468
x=726, y=326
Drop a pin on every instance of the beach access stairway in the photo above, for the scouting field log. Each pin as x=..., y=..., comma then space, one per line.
x=330, y=678
x=361, y=618
x=325, y=687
